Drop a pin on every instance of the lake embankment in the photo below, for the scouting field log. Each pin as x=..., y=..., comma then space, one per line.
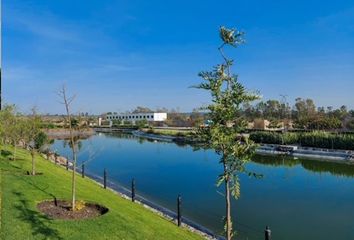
x=343, y=156
x=322, y=154
x=64, y=133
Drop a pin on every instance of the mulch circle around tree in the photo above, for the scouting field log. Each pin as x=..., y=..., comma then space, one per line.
x=62, y=210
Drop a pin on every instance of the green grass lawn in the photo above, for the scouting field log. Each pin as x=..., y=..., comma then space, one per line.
x=20, y=218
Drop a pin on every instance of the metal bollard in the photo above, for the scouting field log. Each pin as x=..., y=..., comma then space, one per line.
x=267, y=233
x=104, y=179
x=67, y=164
x=133, y=190
x=83, y=170
x=179, y=215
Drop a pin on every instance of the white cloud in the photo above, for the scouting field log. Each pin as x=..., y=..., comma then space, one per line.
x=43, y=24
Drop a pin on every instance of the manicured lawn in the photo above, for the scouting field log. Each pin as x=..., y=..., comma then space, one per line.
x=20, y=219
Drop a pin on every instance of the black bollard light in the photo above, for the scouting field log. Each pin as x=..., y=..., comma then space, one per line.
x=104, y=179
x=179, y=215
x=83, y=170
x=67, y=164
x=267, y=233
x=133, y=190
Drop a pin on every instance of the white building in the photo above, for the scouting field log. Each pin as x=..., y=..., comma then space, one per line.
x=150, y=117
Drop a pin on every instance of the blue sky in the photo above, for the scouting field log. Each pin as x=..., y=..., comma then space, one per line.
x=115, y=55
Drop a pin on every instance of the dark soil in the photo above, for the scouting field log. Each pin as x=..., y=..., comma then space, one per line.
x=62, y=210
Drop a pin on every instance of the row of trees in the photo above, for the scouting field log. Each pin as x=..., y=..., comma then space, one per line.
x=304, y=113
x=24, y=131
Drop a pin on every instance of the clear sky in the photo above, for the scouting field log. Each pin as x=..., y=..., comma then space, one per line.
x=115, y=55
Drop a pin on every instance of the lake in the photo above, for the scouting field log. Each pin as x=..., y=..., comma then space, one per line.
x=298, y=199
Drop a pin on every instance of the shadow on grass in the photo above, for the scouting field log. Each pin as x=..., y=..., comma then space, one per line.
x=35, y=219
x=6, y=153
x=20, y=175
x=8, y=167
x=11, y=169
x=42, y=189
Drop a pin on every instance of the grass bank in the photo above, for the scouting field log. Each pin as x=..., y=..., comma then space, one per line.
x=20, y=218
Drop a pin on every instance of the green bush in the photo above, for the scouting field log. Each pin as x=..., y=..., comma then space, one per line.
x=350, y=125
x=317, y=139
x=141, y=123
x=48, y=125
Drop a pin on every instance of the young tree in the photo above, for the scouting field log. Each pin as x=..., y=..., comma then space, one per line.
x=16, y=130
x=141, y=123
x=305, y=112
x=7, y=120
x=196, y=118
x=226, y=123
x=35, y=138
x=73, y=142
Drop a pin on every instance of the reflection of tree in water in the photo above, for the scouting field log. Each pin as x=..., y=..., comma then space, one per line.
x=141, y=140
x=120, y=135
x=276, y=161
x=337, y=169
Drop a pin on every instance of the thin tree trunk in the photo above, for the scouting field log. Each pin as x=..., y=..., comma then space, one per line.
x=73, y=182
x=228, y=203
x=14, y=153
x=33, y=164
x=228, y=211
x=73, y=147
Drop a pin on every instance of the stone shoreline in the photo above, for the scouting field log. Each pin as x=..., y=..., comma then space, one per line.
x=340, y=156
x=63, y=133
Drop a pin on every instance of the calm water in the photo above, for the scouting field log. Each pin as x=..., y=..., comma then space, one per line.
x=298, y=199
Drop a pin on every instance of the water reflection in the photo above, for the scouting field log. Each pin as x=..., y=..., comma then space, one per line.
x=308, y=196
x=344, y=169
x=334, y=168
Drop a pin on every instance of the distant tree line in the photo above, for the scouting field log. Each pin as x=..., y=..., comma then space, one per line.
x=304, y=114
x=175, y=117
